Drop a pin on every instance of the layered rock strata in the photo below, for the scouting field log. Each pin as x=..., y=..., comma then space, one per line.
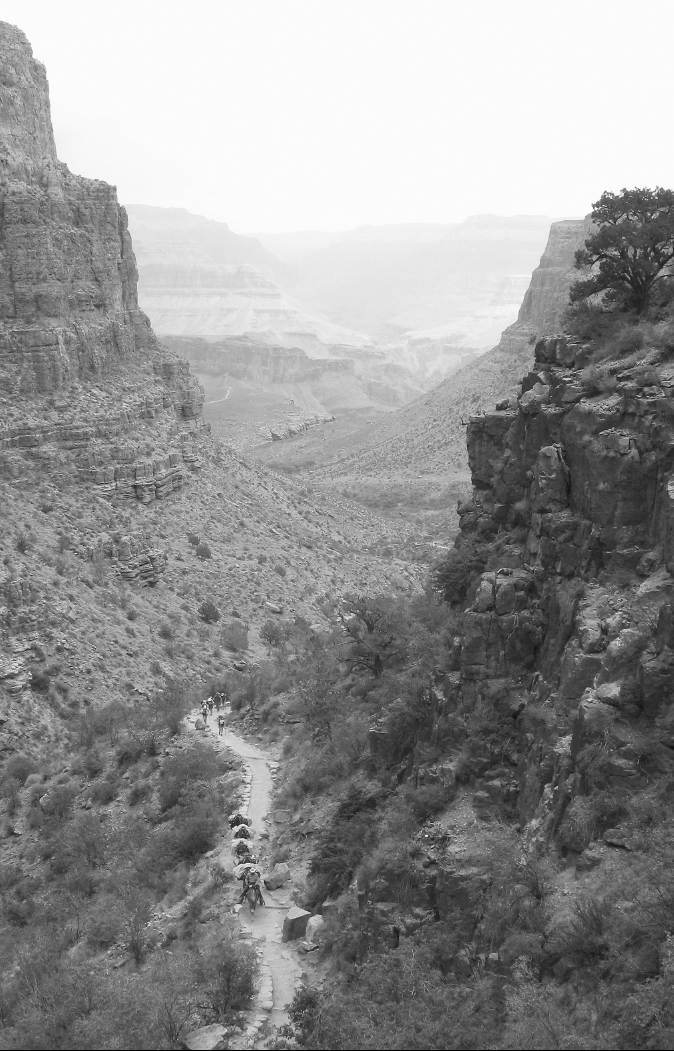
x=72, y=337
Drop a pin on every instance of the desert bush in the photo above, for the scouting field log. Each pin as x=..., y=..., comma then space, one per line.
x=598, y=380
x=226, y=975
x=203, y=551
x=281, y=570
x=584, y=936
x=198, y=763
x=234, y=636
x=40, y=681
x=19, y=767
x=193, y=539
x=23, y=543
x=10, y=789
x=166, y=631
x=272, y=633
x=453, y=575
x=209, y=612
x=139, y=791
x=400, y=999
x=425, y=801
x=342, y=846
x=132, y=613
x=103, y=792
x=64, y=542
x=105, y=922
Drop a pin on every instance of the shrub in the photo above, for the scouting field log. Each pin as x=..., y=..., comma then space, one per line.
x=426, y=800
x=203, y=551
x=140, y=790
x=23, y=543
x=131, y=613
x=165, y=631
x=209, y=612
x=193, y=539
x=40, y=681
x=454, y=574
x=234, y=637
x=272, y=633
x=227, y=974
x=19, y=767
x=103, y=792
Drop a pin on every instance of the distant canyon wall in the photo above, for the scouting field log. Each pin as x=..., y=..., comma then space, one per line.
x=198, y=278
x=547, y=296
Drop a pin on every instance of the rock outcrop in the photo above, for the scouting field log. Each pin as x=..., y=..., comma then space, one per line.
x=80, y=367
x=573, y=496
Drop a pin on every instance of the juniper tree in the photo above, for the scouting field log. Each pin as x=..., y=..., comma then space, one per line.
x=631, y=250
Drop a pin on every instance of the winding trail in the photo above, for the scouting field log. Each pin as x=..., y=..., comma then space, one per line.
x=279, y=971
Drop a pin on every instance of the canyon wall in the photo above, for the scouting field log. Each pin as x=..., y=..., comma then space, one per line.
x=80, y=366
x=569, y=632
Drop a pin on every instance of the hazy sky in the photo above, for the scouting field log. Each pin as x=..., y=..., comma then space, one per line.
x=299, y=114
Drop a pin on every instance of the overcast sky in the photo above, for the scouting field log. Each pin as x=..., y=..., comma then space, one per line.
x=324, y=114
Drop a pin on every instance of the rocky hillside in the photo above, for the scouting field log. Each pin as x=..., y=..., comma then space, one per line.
x=110, y=478
x=413, y=461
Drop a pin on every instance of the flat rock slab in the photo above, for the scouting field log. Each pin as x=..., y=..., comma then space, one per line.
x=295, y=924
x=209, y=1038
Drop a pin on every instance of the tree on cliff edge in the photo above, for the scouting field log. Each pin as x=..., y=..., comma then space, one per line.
x=632, y=251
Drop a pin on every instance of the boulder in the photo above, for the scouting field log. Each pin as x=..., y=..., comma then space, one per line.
x=279, y=875
x=208, y=1038
x=295, y=924
x=609, y=693
x=199, y=724
x=281, y=817
x=590, y=858
x=314, y=929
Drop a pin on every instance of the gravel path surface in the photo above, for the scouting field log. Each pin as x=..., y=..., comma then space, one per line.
x=279, y=970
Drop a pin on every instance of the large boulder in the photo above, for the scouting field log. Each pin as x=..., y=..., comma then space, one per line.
x=208, y=1038
x=279, y=875
x=314, y=929
x=295, y=924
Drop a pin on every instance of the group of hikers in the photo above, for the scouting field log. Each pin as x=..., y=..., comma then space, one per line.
x=217, y=701
x=246, y=862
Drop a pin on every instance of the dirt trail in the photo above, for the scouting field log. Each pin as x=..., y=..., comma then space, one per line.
x=279, y=971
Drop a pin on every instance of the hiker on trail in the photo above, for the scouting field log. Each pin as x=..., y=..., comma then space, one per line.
x=238, y=819
x=218, y=701
x=204, y=711
x=221, y=724
x=242, y=832
x=241, y=867
x=251, y=878
x=209, y=702
x=242, y=847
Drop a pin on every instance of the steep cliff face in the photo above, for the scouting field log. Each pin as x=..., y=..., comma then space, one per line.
x=569, y=632
x=78, y=359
